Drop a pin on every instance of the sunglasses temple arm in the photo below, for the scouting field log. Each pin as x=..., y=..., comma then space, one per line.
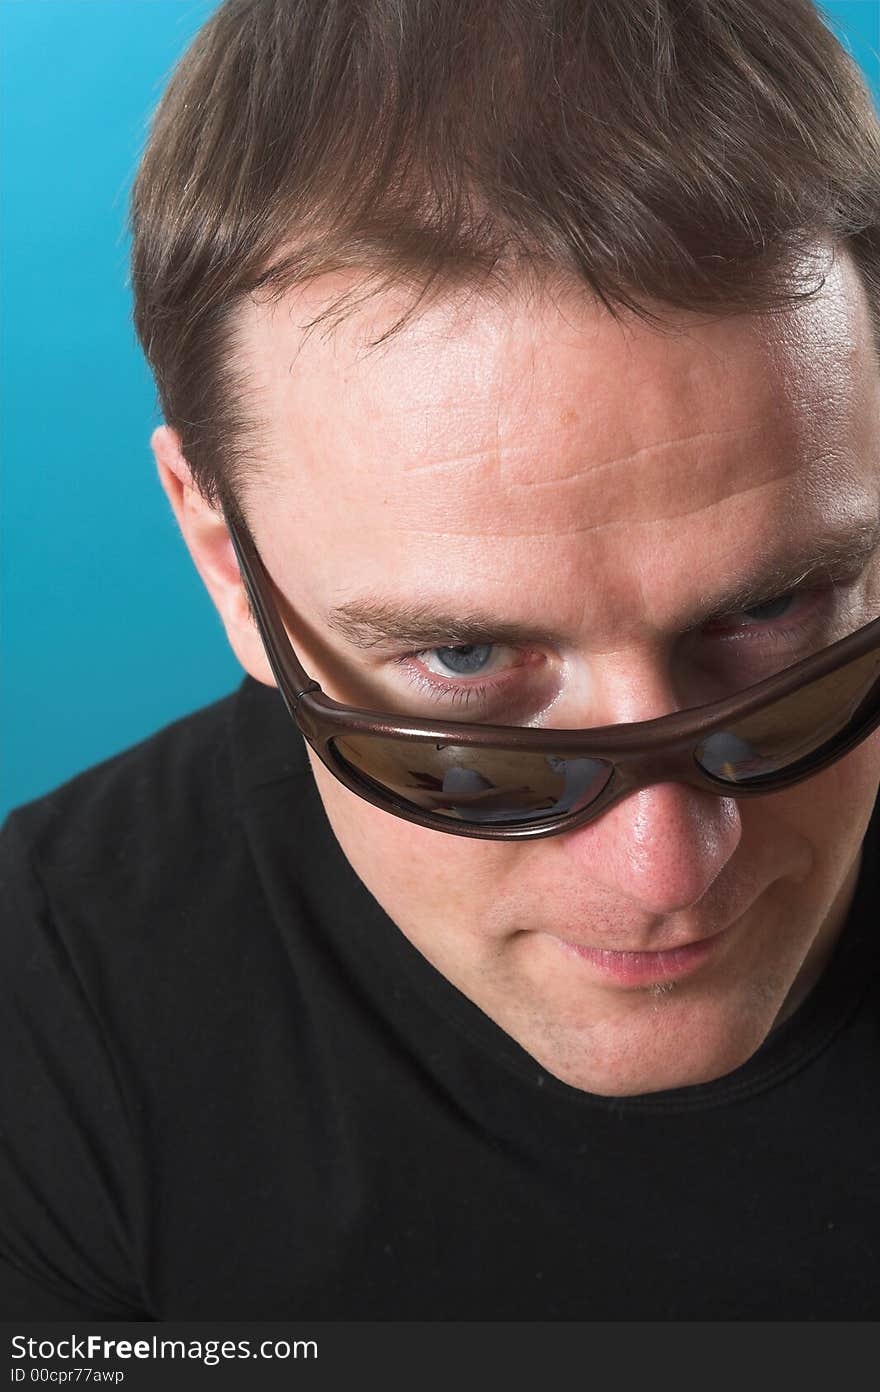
x=289, y=672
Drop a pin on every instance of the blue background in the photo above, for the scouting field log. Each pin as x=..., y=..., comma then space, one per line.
x=106, y=630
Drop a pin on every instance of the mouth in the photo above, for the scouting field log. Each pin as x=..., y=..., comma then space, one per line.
x=641, y=968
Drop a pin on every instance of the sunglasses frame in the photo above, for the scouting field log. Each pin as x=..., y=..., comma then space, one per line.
x=641, y=752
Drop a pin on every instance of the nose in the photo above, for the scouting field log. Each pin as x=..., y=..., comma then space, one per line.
x=658, y=848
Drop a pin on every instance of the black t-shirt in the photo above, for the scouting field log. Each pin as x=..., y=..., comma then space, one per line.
x=231, y=1089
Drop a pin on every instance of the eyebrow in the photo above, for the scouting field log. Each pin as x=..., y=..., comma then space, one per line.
x=373, y=621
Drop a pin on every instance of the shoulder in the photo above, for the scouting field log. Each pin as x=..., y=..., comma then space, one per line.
x=152, y=816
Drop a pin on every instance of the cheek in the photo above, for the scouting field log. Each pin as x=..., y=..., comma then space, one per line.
x=832, y=809
x=849, y=787
x=409, y=868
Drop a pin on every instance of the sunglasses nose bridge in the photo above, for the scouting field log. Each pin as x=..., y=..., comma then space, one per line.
x=639, y=770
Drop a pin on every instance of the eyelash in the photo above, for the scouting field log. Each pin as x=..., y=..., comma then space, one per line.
x=453, y=693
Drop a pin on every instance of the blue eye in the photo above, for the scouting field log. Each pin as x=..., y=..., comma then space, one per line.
x=468, y=662
x=466, y=659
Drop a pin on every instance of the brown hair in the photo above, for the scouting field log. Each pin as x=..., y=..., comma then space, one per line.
x=686, y=153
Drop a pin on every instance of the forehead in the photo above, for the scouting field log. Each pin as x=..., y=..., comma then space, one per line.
x=540, y=432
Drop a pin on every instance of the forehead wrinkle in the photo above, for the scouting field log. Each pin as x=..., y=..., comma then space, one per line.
x=493, y=454
x=632, y=515
x=615, y=461
x=653, y=482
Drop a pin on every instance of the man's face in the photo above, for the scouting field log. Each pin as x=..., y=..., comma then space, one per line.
x=549, y=467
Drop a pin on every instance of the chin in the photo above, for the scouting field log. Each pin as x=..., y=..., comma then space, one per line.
x=636, y=1082
x=669, y=1042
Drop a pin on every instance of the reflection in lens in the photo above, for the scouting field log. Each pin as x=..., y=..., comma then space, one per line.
x=727, y=756
x=474, y=785
x=794, y=728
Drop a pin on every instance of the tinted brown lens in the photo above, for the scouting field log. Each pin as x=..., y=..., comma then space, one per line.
x=470, y=784
x=796, y=728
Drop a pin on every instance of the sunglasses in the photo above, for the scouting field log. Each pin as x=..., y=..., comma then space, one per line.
x=507, y=783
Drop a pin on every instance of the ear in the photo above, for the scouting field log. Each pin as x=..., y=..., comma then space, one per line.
x=206, y=535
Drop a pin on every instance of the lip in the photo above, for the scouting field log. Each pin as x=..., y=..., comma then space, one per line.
x=643, y=968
